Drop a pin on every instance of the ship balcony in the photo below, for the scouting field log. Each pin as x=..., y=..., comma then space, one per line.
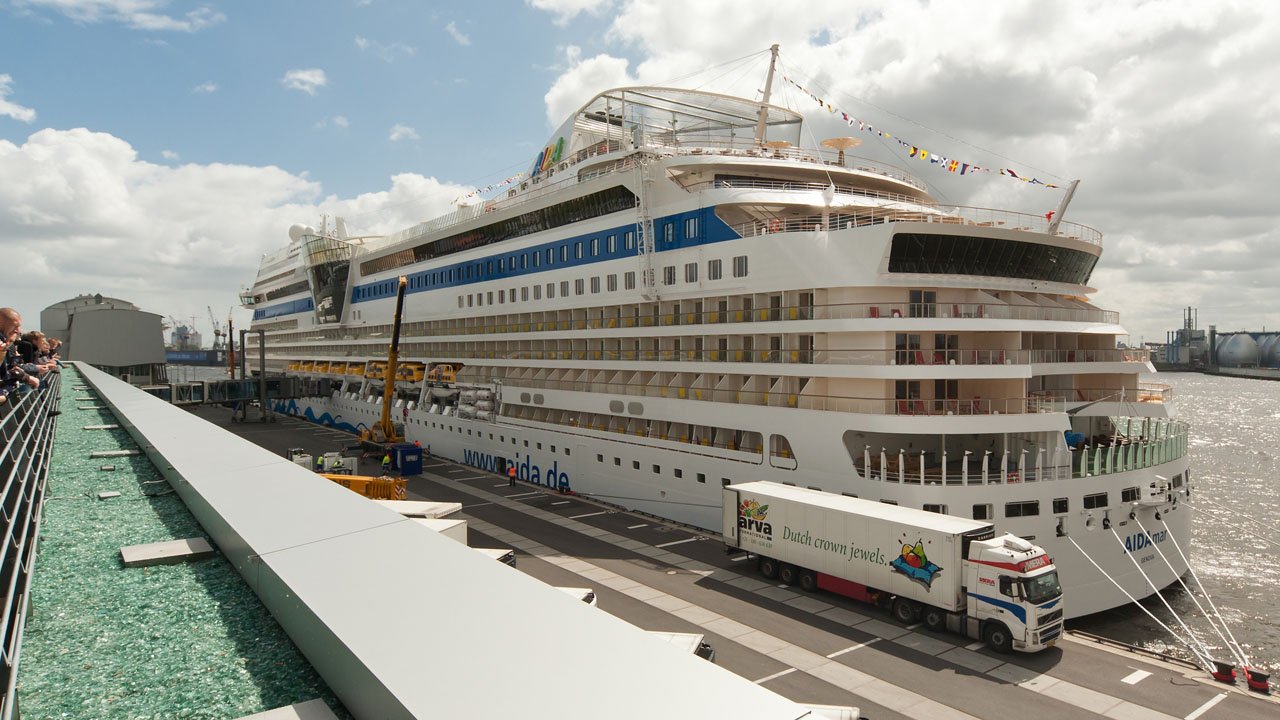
x=886, y=312
x=1138, y=444
x=943, y=215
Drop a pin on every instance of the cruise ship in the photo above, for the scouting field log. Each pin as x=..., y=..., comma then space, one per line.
x=681, y=295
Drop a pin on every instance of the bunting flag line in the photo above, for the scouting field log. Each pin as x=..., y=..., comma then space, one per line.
x=945, y=163
x=491, y=186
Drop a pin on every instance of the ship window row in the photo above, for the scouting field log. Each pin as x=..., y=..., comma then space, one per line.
x=931, y=253
x=605, y=202
x=293, y=289
x=611, y=284
x=1061, y=506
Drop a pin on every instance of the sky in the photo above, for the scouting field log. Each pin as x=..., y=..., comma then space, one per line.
x=153, y=150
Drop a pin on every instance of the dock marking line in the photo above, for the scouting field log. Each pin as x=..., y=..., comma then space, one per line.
x=675, y=542
x=851, y=648
x=975, y=645
x=562, y=502
x=774, y=676
x=1208, y=704
x=523, y=495
x=1135, y=677
x=637, y=527
x=739, y=558
x=590, y=514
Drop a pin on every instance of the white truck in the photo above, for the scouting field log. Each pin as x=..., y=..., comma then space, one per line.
x=946, y=571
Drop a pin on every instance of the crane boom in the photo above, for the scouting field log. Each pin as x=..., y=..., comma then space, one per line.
x=393, y=356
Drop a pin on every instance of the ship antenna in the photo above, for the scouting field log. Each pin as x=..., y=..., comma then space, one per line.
x=763, y=115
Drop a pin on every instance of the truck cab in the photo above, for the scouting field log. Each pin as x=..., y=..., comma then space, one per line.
x=1014, y=598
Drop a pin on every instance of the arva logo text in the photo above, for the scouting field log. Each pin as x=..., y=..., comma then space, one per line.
x=751, y=516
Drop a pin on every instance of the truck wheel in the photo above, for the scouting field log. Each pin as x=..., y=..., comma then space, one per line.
x=788, y=574
x=808, y=580
x=904, y=611
x=935, y=619
x=998, y=638
x=769, y=567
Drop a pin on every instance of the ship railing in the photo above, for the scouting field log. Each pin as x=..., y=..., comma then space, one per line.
x=1145, y=443
x=845, y=311
x=748, y=148
x=859, y=356
x=806, y=187
x=26, y=433
x=921, y=213
x=1063, y=399
x=832, y=403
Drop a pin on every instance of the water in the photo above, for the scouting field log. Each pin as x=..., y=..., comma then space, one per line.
x=1235, y=450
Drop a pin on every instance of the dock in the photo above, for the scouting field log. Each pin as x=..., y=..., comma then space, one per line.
x=783, y=648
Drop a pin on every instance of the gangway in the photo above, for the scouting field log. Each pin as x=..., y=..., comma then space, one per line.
x=227, y=391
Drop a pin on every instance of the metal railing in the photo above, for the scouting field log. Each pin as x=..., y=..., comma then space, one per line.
x=26, y=433
x=1139, y=443
x=748, y=148
x=923, y=213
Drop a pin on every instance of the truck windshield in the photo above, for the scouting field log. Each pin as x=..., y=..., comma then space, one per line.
x=1042, y=588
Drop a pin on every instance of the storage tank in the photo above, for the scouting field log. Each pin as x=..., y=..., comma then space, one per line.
x=1269, y=351
x=1238, y=350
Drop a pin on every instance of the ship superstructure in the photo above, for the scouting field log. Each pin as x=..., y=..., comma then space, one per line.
x=679, y=297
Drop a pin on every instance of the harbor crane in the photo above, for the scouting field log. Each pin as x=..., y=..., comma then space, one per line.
x=220, y=336
x=385, y=431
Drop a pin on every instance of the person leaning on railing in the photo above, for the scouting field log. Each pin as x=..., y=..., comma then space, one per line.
x=12, y=375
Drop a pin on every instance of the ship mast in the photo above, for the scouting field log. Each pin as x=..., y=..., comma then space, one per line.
x=763, y=114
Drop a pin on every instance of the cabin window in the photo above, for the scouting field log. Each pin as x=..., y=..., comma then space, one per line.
x=629, y=280
x=714, y=270
x=524, y=294
x=982, y=511
x=691, y=272
x=551, y=291
x=1129, y=495
x=1060, y=505
x=669, y=232
x=595, y=284
x=611, y=245
x=579, y=287
x=537, y=292
x=702, y=478
x=629, y=240
x=595, y=247
x=691, y=228
x=669, y=275
x=940, y=509
x=551, y=256
x=612, y=283
x=1025, y=508
x=564, y=288
x=1094, y=501
x=577, y=250
x=740, y=266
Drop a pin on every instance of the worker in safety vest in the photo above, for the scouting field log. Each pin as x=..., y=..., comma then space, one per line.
x=511, y=475
x=386, y=464
x=319, y=463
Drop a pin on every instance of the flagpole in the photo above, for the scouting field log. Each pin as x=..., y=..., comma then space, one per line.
x=1062, y=207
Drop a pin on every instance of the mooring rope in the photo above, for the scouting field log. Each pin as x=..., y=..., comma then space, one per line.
x=1204, y=648
x=1177, y=546
x=1206, y=664
x=1212, y=623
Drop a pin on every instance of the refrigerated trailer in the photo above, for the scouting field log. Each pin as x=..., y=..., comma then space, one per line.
x=949, y=572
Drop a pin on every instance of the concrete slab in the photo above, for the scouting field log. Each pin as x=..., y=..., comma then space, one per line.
x=843, y=616
x=166, y=553
x=924, y=643
x=882, y=629
x=1081, y=697
x=747, y=583
x=808, y=604
x=101, y=427
x=309, y=710
x=108, y=468
x=90, y=407
x=108, y=494
x=421, y=508
x=114, y=453
x=969, y=659
x=776, y=593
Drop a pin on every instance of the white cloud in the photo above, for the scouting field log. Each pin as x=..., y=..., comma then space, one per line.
x=308, y=81
x=205, y=88
x=1165, y=108
x=566, y=10
x=457, y=34
x=387, y=52
x=402, y=132
x=341, y=121
x=137, y=14
x=582, y=81
x=338, y=121
x=99, y=219
x=168, y=155
x=10, y=108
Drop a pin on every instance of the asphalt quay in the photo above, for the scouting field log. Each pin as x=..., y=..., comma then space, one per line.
x=815, y=648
